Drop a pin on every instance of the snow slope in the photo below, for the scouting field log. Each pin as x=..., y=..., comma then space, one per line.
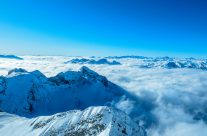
x=100, y=121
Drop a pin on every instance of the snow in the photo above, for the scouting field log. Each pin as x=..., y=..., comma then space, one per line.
x=94, y=120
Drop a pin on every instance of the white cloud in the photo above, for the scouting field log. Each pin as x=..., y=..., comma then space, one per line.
x=173, y=102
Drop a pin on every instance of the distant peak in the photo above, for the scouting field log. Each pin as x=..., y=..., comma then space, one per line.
x=38, y=73
x=17, y=70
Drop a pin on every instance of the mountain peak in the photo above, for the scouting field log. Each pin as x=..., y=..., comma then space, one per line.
x=17, y=70
x=86, y=70
x=99, y=121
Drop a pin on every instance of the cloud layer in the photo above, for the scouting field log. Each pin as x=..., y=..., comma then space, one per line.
x=173, y=102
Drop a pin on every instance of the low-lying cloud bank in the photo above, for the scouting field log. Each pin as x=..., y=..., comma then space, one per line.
x=176, y=99
x=173, y=102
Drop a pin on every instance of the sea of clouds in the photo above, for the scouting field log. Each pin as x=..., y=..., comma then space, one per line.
x=173, y=102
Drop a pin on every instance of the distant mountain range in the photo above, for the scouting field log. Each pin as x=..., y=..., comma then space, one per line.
x=126, y=57
x=92, y=61
x=173, y=63
x=11, y=57
x=165, y=62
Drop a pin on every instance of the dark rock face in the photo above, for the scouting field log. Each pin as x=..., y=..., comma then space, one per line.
x=171, y=65
x=3, y=85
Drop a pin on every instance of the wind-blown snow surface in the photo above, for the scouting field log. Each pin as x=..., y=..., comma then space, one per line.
x=173, y=101
x=100, y=121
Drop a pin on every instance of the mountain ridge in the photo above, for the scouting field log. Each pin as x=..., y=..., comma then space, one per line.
x=23, y=92
x=100, y=121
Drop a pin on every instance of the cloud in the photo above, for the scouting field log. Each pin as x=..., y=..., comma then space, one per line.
x=183, y=129
x=170, y=102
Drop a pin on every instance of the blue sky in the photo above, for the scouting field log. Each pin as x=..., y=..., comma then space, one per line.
x=104, y=27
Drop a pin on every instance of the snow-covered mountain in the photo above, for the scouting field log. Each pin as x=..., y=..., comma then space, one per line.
x=11, y=57
x=93, y=62
x=100, y=121
x=32, y=94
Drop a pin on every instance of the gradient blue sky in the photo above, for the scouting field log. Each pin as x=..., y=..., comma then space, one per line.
x=104, y=27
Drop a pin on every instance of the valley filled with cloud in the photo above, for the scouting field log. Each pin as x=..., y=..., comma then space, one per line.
x=168, y=99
